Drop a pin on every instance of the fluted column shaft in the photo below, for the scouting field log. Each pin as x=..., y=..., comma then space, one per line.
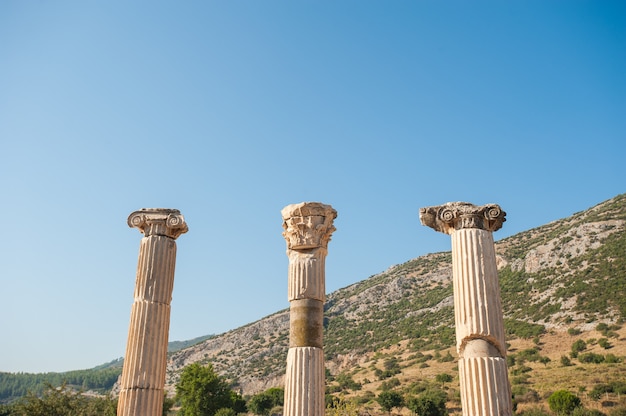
x=143, y=374
x=485, y=389
x=307, y=229
x=479, y=324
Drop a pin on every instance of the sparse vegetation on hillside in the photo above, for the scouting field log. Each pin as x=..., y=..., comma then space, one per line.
x=174, y=346
x=405, y=316
x=563, y=289
x=599, y=283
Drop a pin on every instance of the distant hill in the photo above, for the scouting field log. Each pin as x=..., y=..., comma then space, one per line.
x=563, y=285
x=101, y=378
x=174, y=346
x=566, y=277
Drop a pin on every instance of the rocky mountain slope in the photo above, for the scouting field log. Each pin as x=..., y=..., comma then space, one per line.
x=568, y=275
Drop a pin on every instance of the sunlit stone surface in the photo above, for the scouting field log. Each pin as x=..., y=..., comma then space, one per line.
x=143, y=375
x=485, y=388
x=307, y=230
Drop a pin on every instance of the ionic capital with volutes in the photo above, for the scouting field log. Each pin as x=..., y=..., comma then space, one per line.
x=158, y=221
x=462, y=215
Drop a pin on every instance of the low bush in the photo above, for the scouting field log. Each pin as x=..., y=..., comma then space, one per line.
x=563, y=402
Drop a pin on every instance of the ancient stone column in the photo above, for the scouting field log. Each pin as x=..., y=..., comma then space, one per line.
x=307, y=229
x=143, y=375
x=480, y=341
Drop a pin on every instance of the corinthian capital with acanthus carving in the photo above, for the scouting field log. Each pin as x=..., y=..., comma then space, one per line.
x=308, y=225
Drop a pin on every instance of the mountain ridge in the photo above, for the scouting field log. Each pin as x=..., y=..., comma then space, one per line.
x=412, y=303
x=559, y=282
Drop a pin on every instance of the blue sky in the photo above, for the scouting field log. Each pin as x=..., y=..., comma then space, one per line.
x=229, y=111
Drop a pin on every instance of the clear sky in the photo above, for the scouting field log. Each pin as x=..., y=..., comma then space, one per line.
x=231, y=110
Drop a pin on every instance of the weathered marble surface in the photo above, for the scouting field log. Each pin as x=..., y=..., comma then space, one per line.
x=143, y=375
x=485, y=388
x=307, y=229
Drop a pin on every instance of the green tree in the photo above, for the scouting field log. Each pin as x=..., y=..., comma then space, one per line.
x=340, y=407
x=346, y=382
x=563, y=402
x=262, y=403
x=226, y=411
x=168, y=403
x=430, y=403
x=578, y=346
x=238, y=403
x=62, y=401
x=591, y=357
x=389, y=385
x=443, y=378
x=277, y=394
x=201, y=391
x=277, y=411
x=390, y=399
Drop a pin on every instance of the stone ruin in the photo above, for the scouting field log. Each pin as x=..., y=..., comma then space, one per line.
x=307, y=228
x=480, y=340
x=143, y=374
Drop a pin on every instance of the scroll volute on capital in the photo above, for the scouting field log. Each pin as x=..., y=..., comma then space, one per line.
x=158, y=221
x=462, y=215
